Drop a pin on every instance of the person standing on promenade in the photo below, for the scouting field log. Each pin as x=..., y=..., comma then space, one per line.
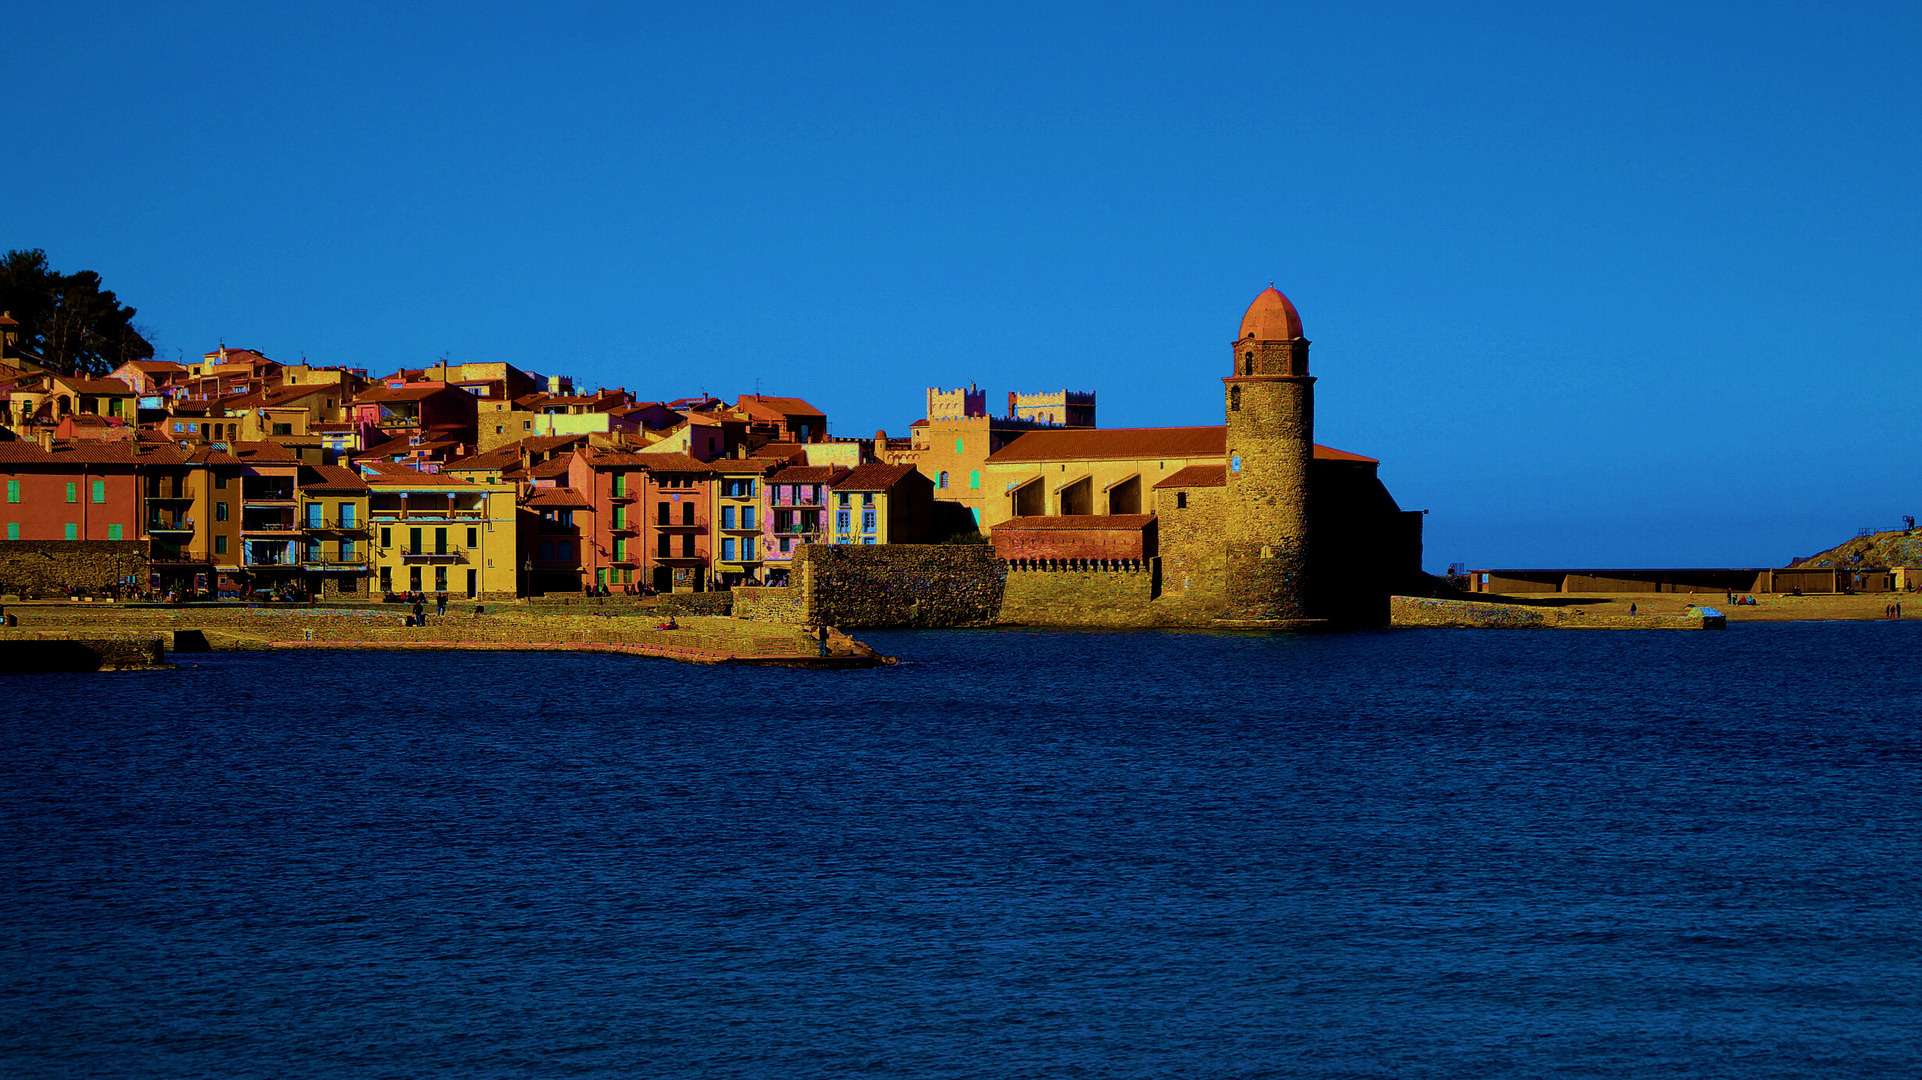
x=821, y=637
x=420, y=613
x=440, y=605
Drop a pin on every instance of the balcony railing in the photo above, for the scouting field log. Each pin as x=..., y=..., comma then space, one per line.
x=334, y=562
x=277, y=528
x=333, y=525
x=162, y=525
x=156, y=496
x=388, y=513
x=698, y=523
x=450, y=553
x=266, y=500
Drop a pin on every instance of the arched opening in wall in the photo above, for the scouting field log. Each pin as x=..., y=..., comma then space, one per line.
x=1234, y=399
x=1124, y=497
x=1030, y=499
x=62, y=405
x=1248, y=363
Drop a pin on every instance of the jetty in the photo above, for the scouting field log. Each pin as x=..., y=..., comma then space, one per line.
x=63, y=637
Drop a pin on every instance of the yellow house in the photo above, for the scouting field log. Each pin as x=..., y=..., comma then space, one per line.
x=1091, y=471
x=439, y=534
x=336, y=535
x=881, y=504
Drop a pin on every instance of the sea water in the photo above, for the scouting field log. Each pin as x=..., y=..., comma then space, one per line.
x=1411, y=854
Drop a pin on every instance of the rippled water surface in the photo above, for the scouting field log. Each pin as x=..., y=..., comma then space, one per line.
x=1412, y=854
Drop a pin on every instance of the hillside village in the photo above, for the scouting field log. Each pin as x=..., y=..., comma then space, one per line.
x=240, y=476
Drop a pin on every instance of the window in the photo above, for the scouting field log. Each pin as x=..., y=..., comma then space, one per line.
x=663, y=548
x=178, y=426
x=13, y=491
x=473, y=584
x=842, y=519
x=220, y=546
x=315, y=518
x=620, y=549
x=99, y=491
x=528, y=425
x=1234, y=399
x=440, y=579
x=473, y=537
x=867, y=539
x=867, y=498
x=220, y=511
x=547, y=551
x=500, y=429
x=600, y=576
x=620, y=485
x=974, y=479
x=747, y=517
x=843, y=497
x=220, y=482
x=661, y=517
x=867, y=520
x=942, y=480
x=73, y=492
x=73, y=531
x=283, y=429
x=564, y=550
x=687, y=545
x=727, y=517
x=687, y=513
x=960, y=444
x=346, y=551
x=113, y=531
x=727, y=548
x=386, y=537
x=386, y=579
x=346, y=515
x=1181, y=500
x=13, y=530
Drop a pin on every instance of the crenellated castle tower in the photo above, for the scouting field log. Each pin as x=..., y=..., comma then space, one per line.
x=1271, y=440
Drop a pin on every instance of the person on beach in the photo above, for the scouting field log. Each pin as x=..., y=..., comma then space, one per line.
x=420, y=613
x=1631, y=609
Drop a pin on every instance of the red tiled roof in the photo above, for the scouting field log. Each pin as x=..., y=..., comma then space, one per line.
x=551, y=468
x=405, y=393
x=806, y=474
x=1197, y=476
x=94, y=386
x=262, y=452
x=390, y=474
x=558, y=497
x=1129, y=522
x=676, y=463
x=331, y=478
x=776, y=406
x=873, y=477
x=1091, y=444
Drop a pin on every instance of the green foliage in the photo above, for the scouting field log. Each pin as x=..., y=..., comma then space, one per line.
x=74, y=325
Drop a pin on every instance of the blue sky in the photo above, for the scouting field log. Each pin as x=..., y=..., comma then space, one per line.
x=1608, y=285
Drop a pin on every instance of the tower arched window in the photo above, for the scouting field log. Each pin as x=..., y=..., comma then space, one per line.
x=944, y=481
x=1248, y=363
x=1234, y=399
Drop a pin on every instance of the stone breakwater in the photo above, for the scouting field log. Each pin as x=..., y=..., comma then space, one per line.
x=1473, y=614
x=706, y=640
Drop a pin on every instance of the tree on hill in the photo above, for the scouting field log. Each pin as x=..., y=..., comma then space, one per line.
x=74, y=325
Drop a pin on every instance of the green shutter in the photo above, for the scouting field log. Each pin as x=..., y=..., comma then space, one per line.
x=113, y=532
x=13, y=530
x=73, y=492
x=73, y=529
x=13, y=491
x=974, y=478
x=99, y=491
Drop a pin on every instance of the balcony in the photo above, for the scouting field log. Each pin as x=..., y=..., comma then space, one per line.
x=266, y=501
x=698, y=523
x=335, y=562
x=621, y=497
x=439, y=513
x=162, y=525
x=336, y=525
x=625, y=528
x=434, y=554
x=155, y=496
x=270, y=528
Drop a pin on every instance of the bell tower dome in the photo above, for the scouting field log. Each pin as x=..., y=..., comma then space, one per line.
x=1271, y=442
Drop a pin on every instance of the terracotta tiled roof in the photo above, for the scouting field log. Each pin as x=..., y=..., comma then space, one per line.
x=675, y=463
x=276, y=396
x=1130, y=522
x=159, y=367
x=264, y=452
x=330, y=478
x=759, y=405
x=1197, y=476
x=873, y=477
x=551, y=468
x=389, y=474
x=1092, y=444
x=806, y=474
x=557, y=498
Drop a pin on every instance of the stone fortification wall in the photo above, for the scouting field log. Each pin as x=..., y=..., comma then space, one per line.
x=1194, y=564
x=1426, y=611
x=43, y=568
x=900, y=584
x=31, y=653
x=1081, y=594
x=783, y=605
